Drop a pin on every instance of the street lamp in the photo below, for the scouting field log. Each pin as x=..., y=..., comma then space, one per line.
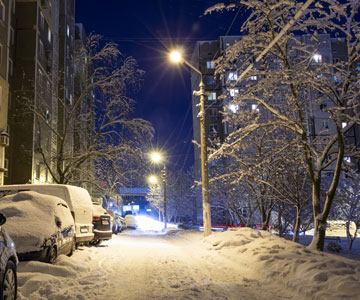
x=176, y=57
x=157, y=158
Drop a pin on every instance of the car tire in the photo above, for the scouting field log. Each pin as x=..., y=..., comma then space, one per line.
x=52, y=255
x=120, y=228
x=9, y=282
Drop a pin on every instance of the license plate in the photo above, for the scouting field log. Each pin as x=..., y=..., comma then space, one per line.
x=105, y=222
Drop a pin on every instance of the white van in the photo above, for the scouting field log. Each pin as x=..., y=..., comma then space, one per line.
x=77, y=198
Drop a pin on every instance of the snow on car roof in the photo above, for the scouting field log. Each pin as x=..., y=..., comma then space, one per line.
x=31, y=218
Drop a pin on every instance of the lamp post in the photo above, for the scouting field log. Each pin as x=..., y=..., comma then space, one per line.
x=157, y=158
x=176, y=57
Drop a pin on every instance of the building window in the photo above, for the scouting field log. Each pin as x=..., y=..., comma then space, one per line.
x=67, y=30
x=322, y=106
x=213, y=129
x=2, y=11
x=317, y=58
x=233, y=92
x=347, y=159
x=49, y=35
x=233, y=76
x=233, y=108
x=325, y=124
x=212, y=96
x=67, y=93
x=210, y=79
x=10, y=68
x=335, y=60
x=40, y=79
x=210, y=64
x=212, y=112
x=47, y=116
x=253, y=77
x=343, y=124
x=254, y=108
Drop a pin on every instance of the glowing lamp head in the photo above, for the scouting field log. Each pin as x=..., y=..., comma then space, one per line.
x=153, y=179
x=175, y=56
x=156, y=157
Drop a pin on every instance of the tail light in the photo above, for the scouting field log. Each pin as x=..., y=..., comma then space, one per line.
x=96, y=218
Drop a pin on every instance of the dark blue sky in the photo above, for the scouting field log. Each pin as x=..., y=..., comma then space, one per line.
x=146, y=29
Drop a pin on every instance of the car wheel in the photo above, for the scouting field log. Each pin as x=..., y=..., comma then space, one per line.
x=52, y=255
x=9, y=282
x=120, y=228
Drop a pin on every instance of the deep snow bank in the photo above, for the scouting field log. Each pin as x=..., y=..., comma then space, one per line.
x=312, y=274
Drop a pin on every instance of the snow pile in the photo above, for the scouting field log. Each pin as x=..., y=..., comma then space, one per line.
x=311, y=274
x=31, y=218
x=69, y=279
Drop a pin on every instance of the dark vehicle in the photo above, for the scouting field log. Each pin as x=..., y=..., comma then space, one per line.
x=8, y=264
x=102, y=224
x=41, y=226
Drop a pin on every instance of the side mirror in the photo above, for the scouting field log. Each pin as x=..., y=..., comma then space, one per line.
x=2, y=219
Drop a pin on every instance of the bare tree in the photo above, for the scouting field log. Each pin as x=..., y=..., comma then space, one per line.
x=295, y=79
x=95, y=132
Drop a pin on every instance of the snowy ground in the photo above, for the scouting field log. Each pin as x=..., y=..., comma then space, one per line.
x=241, y=264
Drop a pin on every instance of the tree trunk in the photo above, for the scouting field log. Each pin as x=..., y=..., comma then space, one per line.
x=297, y=225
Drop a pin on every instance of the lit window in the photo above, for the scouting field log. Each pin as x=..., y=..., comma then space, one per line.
x=232, y=76
x=336, y=79
x=212, y=96
x=343, y=124
x=347, y=159
x=2, y=11
x=317, y=58
x=233, y=92
x=210, y=65
x=254, y=108
x=49, y=35
x=233, y=108
x=67, y=30
x=253, y=77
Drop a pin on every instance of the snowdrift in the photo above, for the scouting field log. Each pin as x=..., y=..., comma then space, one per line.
x=311, y=274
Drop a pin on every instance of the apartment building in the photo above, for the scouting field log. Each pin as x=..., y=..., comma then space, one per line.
x=7, y=40
x=43, y=30
x=220, y=92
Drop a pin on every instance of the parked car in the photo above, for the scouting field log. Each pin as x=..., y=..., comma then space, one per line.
x=117, y=222
x=77, y=198
x=131, y=221
x=102, y=224
x=41, y=226
x=8, y=264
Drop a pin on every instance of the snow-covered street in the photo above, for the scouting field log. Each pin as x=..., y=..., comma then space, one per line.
x=240, y=264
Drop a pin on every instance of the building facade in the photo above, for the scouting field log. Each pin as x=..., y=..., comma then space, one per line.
x=43, y=29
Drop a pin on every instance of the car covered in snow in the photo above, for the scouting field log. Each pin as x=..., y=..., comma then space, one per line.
x=102, y=224
x=41, y=226
x=130, y=220
x=8, y=263
x=77, y=198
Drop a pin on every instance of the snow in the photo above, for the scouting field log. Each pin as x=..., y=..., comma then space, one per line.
x=31, y=218
x=236, y=264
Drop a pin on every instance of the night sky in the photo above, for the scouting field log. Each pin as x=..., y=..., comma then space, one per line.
x=145, y=30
